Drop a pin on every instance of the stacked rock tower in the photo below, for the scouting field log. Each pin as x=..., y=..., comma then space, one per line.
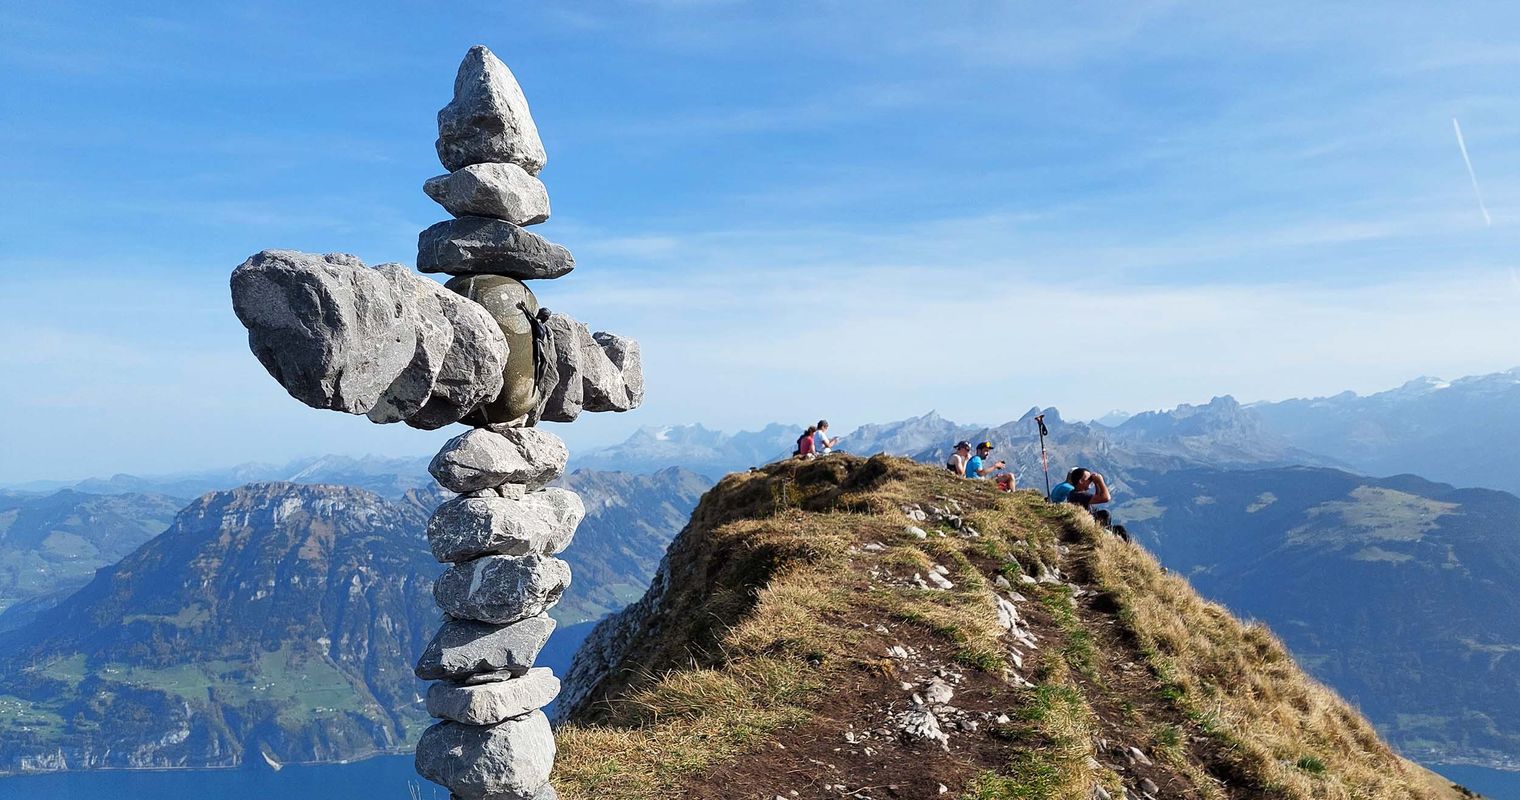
x=397, y=347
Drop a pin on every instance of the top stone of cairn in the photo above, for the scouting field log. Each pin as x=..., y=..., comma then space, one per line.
x=488, y=119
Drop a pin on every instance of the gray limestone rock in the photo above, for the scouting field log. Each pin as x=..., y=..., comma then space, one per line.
x=509, y=302
x=341, y=336
x=500, y=191
x=434, y=336
x=487, y=457
x=624, y=354
x=464, y=647
x=490, y=703
x=564, y=402
x=331, y=331
x=485, y=246
x=541, y=522
x=472, y=370
x=507, y=761
x=501, y=589
x=488, y=119
x=601, y=380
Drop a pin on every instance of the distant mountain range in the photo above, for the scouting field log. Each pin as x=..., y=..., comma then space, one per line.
x=51, y=545
x=1465, y=432
x=1381, y=585
x=274, y=618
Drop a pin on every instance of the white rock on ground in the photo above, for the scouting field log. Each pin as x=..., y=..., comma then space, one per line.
x=938, y=692
x=542, y=522
x=507, y=761
x=501, y=589
x=499, y=191
x=487, y=457
x=488, y=119
x=464, y=647
x=490, y=703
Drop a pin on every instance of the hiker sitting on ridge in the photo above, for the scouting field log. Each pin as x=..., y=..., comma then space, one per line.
x=957, y=462
x=821, y=441
x=1082, y=487
x=1086, y=488
x=976, y=467
x=805, y=443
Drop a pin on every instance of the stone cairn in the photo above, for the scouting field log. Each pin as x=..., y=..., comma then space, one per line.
x=397, y=347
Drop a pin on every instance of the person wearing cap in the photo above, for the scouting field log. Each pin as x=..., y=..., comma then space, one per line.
x=975, y=467
x=957, y=462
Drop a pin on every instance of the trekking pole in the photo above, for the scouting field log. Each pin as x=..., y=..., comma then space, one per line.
x=1044, y=459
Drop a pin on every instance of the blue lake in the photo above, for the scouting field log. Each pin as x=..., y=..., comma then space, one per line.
x=383, y=778
x=1495, y=784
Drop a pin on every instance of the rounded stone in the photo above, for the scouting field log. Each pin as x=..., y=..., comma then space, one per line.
x=501, y=296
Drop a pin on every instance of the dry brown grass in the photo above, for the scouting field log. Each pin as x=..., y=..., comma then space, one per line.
x=765, y=623
x=1295, y=737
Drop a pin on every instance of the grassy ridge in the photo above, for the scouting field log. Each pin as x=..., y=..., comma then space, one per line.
x=767, y=649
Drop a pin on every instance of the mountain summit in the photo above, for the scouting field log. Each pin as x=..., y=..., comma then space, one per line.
x=877, y=628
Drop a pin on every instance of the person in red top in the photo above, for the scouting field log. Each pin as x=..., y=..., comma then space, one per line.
x=805, y=443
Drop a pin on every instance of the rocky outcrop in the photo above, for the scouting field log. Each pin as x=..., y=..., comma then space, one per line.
x=381, y=342
x=389, y=344
x=488, y=119
x=483, y=246
x=500, y=191
x=541, y=522
x=464, y=647
x=486, y=458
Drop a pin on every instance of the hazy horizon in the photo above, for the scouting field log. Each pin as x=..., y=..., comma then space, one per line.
x=798, y=210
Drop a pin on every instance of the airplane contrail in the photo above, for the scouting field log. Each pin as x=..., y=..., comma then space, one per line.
x=1487, y=220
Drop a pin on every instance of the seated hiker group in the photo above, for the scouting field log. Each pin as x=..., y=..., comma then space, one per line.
x=1082, y=487
x=815, y=441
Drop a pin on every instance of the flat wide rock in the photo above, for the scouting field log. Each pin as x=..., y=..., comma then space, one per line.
x=507, y=761
x=465, y=647
x=485, y=246
x=499, y=191
x=488, y=119
x=501, y=589
x=339, y=335
x=541, y=522
x=488, y=457
x=490, y=703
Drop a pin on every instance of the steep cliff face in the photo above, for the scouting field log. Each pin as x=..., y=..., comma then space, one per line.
x=877, y=628
x=272, y=618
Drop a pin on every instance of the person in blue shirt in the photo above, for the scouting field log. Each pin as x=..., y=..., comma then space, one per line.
x=1082, y=487
x=977, y=466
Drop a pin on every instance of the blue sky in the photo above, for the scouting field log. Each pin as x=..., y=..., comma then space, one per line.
x=858, y=210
